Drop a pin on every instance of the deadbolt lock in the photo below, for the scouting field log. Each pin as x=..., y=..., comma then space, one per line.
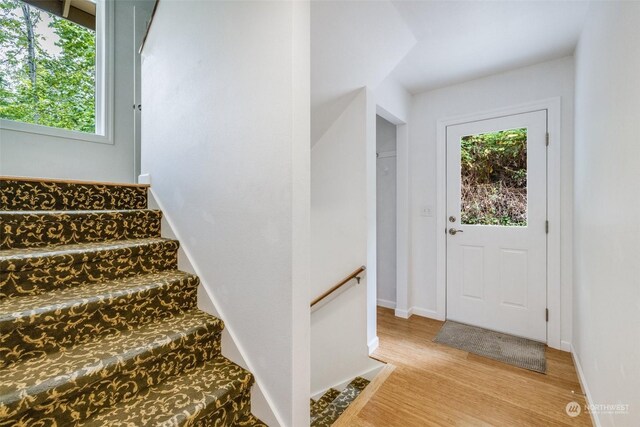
x=452, y=218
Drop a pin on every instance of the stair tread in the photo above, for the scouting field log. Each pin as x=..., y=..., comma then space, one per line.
x=29, y=308
x=324, y=401
x=333, y=411
x=32, y=326
x=11, y=178
x=180, y=398
x=30, y=229
x=75, y=213
x=44, y=194
x=29, y=258
x=249, y=420
x=34, y=380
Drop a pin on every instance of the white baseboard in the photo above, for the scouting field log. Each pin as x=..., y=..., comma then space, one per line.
x=585, y=387
x=373, y=344
x=386, y=303
x=423, y=312
x=566, y=346
x=418, y=311
x=405, y=314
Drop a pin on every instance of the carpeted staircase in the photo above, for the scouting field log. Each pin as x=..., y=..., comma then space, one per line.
x=97, y=325
x=326, y=410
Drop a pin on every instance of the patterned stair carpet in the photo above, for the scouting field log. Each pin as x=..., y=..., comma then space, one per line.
x=326, y=410
x=97, y=325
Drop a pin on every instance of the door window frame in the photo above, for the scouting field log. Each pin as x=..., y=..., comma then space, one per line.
x=104, y=87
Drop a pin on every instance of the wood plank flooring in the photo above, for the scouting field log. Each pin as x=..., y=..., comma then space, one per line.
x=435, y=385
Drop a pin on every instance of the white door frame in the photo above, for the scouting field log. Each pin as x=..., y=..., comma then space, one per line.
x=552, y=105
x=402, y=212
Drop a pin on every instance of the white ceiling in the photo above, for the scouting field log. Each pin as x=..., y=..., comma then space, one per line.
x=464, y=40
x=427, y=44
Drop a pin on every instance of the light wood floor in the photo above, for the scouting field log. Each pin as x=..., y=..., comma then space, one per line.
x=437, y=385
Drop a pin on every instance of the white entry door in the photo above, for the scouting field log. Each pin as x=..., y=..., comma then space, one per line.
x=497, y=224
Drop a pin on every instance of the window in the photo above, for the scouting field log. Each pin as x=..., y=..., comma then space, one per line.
x=52, y=67
x=494, y=178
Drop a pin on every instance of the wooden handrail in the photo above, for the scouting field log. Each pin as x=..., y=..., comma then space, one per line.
x=350, y=277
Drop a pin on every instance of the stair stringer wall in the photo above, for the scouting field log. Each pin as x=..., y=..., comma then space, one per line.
x=343, y=237
x=260, y=402
x=223, y=143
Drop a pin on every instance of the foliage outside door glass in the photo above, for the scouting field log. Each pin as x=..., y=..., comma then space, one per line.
x=494, y=178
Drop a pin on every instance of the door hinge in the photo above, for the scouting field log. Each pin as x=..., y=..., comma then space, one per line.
x=546, y=227
x=546, y=314
x=547, y=141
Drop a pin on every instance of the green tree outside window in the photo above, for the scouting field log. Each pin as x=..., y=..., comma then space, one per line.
x=40, y=84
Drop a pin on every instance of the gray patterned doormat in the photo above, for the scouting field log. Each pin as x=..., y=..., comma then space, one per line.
x=505, y=348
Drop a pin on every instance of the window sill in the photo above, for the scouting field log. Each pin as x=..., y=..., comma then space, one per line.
x=53, y=132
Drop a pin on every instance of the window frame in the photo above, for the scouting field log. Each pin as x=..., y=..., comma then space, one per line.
x=104, y=87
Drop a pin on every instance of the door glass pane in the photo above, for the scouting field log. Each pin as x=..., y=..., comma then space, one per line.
x=494, y=178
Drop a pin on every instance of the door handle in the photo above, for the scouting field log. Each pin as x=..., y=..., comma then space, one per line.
x=454, y=231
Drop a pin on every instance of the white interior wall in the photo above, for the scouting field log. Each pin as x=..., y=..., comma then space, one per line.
x=524, y=85
x=607, y=172
x=354, y=44
x=30, y=154
x=386, y=212
x=393, y=101
x=228, y=157
x=342, y=163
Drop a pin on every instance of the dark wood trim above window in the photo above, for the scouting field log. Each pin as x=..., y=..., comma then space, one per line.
x=82, y=12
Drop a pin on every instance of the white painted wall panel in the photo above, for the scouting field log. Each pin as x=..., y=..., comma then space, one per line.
x=341, y=241
x=226, y=141
x=607, y=173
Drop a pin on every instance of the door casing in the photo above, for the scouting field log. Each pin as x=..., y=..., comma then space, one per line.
x=553, y=107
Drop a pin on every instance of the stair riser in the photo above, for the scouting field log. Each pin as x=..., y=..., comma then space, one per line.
x=186, y=400
x=77, y=399
x=58, y=276
x=249, y=421
x=39, y=230
x=227, y=415
x=34, y=196
x=42, y=333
